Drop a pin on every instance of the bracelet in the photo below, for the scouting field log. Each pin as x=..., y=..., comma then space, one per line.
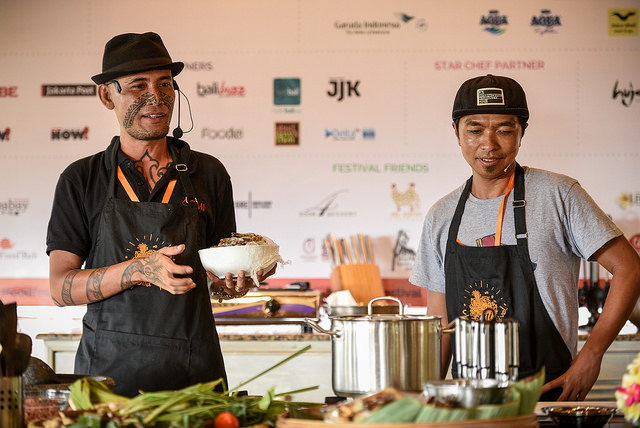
x=221, y=294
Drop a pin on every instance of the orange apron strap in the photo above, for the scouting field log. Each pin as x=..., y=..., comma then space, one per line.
x=498, y=237
x=127, y=186
x=169, y=191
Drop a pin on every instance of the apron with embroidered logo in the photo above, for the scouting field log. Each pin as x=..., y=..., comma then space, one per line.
x=146, y=338
x=501, y=278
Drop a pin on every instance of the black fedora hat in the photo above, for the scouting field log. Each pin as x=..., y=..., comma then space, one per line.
x=134, y=53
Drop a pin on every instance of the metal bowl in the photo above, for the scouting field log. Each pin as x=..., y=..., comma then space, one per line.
x=580, y=416
x=467, y=393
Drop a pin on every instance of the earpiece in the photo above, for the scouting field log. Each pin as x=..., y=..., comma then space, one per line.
x=177, y=133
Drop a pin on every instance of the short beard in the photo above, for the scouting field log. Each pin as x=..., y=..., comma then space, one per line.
x=143, y=135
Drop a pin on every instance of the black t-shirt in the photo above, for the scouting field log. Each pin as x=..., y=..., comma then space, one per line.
x=85, y=184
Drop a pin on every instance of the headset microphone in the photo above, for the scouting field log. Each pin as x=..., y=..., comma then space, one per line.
x=177, y=133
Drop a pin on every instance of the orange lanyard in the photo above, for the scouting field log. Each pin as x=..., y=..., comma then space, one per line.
x=498, y=237
x=132, y=194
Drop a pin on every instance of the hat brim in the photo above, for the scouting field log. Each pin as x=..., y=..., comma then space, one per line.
x=520, y=112
x=175, y=67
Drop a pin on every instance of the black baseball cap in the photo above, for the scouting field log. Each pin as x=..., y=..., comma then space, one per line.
x=134, y=53
x=490, y=94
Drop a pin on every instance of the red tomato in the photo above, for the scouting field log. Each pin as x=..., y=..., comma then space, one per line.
x=226, y=420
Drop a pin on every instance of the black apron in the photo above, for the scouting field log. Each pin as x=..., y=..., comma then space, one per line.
x=502, y=277
x=146, y=338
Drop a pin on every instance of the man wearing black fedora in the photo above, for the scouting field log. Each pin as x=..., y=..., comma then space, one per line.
x=125, y=228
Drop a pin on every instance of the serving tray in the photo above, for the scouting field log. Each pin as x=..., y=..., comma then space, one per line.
x=526, y=421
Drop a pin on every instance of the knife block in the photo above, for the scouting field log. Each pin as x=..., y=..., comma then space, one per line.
x=361, y=279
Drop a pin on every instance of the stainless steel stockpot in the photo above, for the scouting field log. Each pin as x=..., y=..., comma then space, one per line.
x=372, y=352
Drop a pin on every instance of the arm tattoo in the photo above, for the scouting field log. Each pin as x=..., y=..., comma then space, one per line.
x=155, y=170
x=67, y=299
x=94, y=283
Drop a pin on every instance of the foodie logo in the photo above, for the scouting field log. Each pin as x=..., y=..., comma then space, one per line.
x=339, y=89
x=329, y=207
x=198, y=66
x=70, y=134
x=623, y=22
x=14, y=206
x=626, y=95
x=287, y=133
x=221, y=89
x=403, y=256
x=349, y=134
x=69, y=90
x=482, y=301
x=546, y=22
x=250, y=204
x=4, y=135
x=494, y=22
x=222, y=133
x=8, y=92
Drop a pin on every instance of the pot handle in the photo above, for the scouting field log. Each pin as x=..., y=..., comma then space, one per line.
x=400, y=305
x=450, y=328
x=314, y=325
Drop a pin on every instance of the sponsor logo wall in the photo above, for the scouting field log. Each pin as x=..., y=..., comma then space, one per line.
x=331, y=117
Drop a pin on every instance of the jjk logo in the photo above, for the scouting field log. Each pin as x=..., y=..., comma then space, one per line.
x=343, y=88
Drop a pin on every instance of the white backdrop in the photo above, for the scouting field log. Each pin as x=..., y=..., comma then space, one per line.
x=578, y=60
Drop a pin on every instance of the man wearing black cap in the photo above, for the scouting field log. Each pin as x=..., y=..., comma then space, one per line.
x=508, y=244
x=125, y=229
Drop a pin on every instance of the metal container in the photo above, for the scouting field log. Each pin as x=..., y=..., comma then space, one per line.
x=372, y=352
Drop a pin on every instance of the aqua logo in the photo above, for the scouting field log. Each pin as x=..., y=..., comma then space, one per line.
x=546, y=22
x=286, y=92
x=494, y=23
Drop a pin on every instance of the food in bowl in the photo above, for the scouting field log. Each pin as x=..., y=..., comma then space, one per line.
x=248, y=252
x=580, y=416
x=466, y=393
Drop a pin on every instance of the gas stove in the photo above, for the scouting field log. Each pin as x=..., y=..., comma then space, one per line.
x=265, y=305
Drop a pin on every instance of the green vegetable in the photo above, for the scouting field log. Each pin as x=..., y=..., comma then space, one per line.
x=194, y=406
x=431, y=413
x=404, y=409
x=530, y=389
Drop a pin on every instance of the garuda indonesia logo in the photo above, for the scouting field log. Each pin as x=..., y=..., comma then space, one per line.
x=483, y=300
x=143, y=247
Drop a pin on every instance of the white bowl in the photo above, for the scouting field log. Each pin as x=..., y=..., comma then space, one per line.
x=249, y=258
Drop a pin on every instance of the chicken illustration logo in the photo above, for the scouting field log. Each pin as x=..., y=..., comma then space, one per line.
x=407, y=198
x=144, y=247
x=482, y=300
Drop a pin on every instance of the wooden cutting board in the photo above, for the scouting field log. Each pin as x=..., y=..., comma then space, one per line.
x=361, y=279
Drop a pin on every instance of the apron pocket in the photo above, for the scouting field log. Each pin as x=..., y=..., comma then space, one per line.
x=138, y=362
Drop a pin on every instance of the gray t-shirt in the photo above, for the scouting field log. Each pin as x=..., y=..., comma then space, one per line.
x=564, y=225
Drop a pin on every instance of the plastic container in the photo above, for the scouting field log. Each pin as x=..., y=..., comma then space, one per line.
x=44, y=404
